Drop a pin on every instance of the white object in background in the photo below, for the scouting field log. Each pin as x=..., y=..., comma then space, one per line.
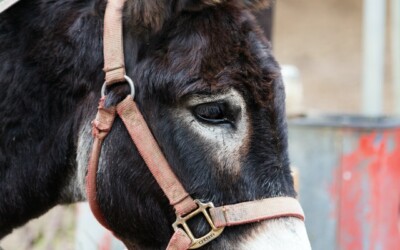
x=373, y=56
x=294, y=90
x=90, y=235
x=296, y=177
x=395, y=7
x=5, y=4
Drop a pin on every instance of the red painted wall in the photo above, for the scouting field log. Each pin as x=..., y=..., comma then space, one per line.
x=367, y=187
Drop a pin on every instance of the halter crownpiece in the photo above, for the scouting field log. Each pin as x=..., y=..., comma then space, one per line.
x=113, y=47
x=185, y=206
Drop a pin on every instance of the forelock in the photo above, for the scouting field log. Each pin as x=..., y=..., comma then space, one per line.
x=216, y=49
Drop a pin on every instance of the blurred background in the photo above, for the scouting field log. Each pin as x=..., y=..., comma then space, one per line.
x=323, y=51
x=324, y=39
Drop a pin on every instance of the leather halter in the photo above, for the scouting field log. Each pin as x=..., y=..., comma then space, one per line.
x=185, y=206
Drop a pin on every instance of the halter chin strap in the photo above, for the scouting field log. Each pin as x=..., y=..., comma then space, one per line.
x=185, y=206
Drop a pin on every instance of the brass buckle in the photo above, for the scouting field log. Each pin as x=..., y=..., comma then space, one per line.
x=198, y=242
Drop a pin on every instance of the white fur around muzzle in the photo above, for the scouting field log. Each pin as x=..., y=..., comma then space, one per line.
x=278, y=234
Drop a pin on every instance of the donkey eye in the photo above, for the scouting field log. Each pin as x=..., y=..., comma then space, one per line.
x=213, y=113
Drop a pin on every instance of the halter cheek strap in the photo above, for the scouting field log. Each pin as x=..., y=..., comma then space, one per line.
x=153, y=157
x=185, y=206
x=100, y=127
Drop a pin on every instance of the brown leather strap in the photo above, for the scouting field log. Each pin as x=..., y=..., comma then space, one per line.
x=252, y=211
x=100, y=128
x=243, y=213
x=154, y=158
x=179, y=241
x=114, y=64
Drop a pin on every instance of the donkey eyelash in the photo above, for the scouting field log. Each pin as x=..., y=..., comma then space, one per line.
x=214, y=113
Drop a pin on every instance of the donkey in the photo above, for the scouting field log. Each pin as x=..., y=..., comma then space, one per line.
x=206, y=83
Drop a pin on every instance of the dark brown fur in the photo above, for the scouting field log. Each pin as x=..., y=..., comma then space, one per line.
x=50, y=82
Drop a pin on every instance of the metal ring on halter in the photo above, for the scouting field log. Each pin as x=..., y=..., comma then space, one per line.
x=128, y=80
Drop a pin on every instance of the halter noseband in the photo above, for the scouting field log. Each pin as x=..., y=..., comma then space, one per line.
x=185, y=206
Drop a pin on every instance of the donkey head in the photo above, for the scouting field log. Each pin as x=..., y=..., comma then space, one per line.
x=212, y=94
x=207, y=85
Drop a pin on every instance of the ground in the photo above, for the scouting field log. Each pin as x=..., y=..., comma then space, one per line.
x=55, y=230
